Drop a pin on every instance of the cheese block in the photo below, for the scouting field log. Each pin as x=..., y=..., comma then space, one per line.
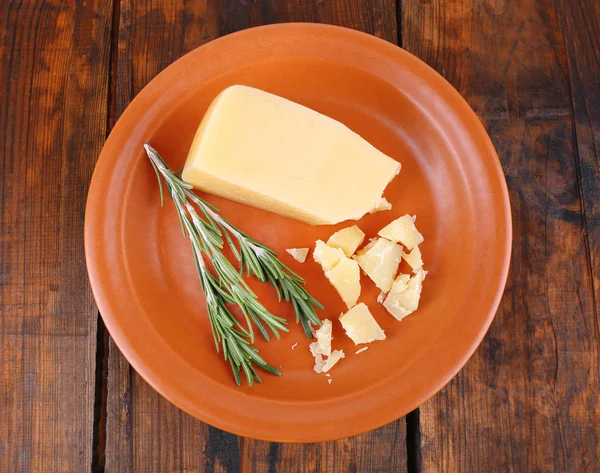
x=347, y=239
x=268, y=152
x=299, y=254
x=361, y=326
x=403, y=298
x=402, y=230
x=380, y=260
x=345, y=277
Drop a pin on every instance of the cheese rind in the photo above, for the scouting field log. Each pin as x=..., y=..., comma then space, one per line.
x=347, y=239
x=268, y=152
x=361, y=326
x=380, y=260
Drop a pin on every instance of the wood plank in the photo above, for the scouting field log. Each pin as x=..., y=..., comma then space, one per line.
x=580, y=22
x=527, y=401
x=145, y=432
x=54, y=60
x=384, y=449
x=380, y=451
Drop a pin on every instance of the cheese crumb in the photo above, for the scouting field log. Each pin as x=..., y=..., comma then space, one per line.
x=294, y=345
x=345, y=277
x=299, y=254
x=360, y=350
x=329, y=381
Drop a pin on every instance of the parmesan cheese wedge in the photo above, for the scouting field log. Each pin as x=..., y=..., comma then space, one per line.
x=345, y=277
x=263, y=150
x=361, y=326
x=326, y=255
x=347, y=239
x=402, y=230
x=343, y=273
x=403, y=298
x=380, y=260
x=414, y=258
x=336, y=355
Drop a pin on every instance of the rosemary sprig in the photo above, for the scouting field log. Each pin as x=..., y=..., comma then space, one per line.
x=262, y=262
x=227, y=287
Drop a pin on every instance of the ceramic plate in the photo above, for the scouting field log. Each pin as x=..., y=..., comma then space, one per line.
x=143, y=274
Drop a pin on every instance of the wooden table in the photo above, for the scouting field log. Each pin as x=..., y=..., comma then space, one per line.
x=528, y=399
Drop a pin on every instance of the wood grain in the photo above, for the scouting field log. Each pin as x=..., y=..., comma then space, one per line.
x=376, y=17
x=527, y=401
x=53, y=95
x=379, y=451
x=145, y=432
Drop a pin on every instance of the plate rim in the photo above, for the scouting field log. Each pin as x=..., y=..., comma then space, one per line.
x=273, y=432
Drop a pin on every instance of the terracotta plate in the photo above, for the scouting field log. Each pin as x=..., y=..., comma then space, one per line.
x=143, y=275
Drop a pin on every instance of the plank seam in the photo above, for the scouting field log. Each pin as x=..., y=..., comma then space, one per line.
x=413, y=419
x=413, y=442
x=399, y=22
x=99, y=435
x=100, y=399
x=113, y=63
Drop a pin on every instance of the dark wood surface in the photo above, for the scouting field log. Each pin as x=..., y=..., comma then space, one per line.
x=528, y=399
